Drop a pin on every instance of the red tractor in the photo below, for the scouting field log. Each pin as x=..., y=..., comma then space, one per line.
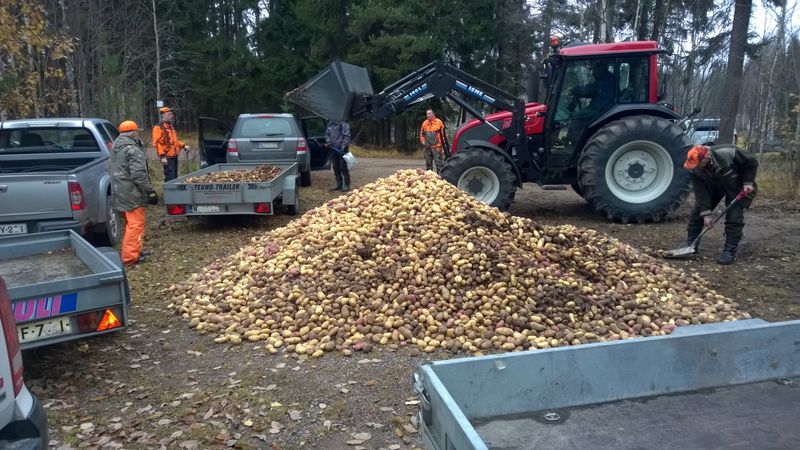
x=601, y=128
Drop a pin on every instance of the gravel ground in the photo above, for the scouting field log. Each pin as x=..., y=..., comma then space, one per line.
x=161, y=385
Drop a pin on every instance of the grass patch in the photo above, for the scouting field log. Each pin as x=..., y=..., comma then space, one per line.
x=366, y=152
x=776, y=179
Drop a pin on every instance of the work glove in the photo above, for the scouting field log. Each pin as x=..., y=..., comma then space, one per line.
x=163, y=160
x=187, y=149
x=152, y=198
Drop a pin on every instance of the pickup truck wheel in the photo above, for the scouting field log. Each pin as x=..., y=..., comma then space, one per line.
x=631, y=170
x=109, y=235
x=305, y=178
x=483, y=174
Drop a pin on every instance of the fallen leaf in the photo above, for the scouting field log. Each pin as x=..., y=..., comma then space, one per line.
x=274, y=405
x=355, y=442
x=345, y=390
x=189, y=445
x=387, y=409
x=395, y=447
x=295, y=415
x=164, y=422
x=327, y=424
x=194, y=352
x=86, y=426
x=262, y=437
x=280, y=366
x=370, y=382
x=409, y=428
x=322, y=406
x=208, y=414
x=412, y=402
x=271, y=387
x=248, y=423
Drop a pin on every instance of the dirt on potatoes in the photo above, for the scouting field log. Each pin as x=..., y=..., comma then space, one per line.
x=160, y=385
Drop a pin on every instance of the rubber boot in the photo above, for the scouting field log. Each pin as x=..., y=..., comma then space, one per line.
x=728, y=255
x=338, y=187
x=345, y=187
x=690, y=239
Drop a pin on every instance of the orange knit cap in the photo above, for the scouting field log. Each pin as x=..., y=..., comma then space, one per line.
x=695, y=155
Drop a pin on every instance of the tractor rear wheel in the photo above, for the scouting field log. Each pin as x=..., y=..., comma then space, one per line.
x=484, y=174
x=631, y=169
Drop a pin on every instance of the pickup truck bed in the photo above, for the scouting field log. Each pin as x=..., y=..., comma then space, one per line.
x=724, y=385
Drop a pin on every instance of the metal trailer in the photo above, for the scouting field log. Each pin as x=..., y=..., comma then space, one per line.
x=62, y=288
x=724, y=385
x=208, y=199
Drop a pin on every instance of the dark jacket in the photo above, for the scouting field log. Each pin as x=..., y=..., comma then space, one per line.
x=130, y=180
x=730, y=169
x=338, y=135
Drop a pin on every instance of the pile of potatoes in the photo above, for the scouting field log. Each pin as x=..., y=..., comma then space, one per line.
x=260, y=173
x=410, y=260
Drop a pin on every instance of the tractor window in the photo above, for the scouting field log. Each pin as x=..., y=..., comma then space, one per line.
x=588, y=90
x=634, y=80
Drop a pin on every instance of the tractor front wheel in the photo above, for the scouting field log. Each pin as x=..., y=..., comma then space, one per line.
x=631, y=169
x=484, y=174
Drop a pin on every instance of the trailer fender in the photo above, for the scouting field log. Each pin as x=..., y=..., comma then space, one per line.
x=499, y=150
x=290, y=190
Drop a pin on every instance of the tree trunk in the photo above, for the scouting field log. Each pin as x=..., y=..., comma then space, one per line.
x=158, y=53
x=70, y=66
x=733, y=77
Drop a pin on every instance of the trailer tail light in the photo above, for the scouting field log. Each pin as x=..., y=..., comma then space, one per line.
x=262, y=208
x=233, y=148
x=12, y=342
x=109, y=321
x=88, y=322
x=302, y=146
x=76, y=199
x=176, y=210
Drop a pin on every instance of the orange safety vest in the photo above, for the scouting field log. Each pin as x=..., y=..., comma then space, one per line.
x=432, y=133
x=165, y=140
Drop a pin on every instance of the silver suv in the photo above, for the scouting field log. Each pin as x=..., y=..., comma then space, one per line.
x=271, y=138
x=23, y=422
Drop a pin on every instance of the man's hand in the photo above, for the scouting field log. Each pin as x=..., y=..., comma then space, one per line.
x=747, y=189
x=163, y=160
x=187, y=149
x=708, y=221
x=152, y=198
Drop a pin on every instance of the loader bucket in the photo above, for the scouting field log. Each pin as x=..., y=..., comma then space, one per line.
x=330, y=92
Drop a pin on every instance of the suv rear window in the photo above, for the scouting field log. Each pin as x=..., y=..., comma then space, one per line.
x=252, y=127
x=47, y=140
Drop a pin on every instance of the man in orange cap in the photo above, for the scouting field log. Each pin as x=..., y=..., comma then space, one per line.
x=718, y=172
x=131, y=189
x=166, y=143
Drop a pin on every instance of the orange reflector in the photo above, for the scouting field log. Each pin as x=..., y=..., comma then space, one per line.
x=109, y=321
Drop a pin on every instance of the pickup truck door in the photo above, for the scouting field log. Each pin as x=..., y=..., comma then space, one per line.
x=314, y=131
x=213, y=138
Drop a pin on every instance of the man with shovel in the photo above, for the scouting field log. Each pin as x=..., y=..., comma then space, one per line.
x=718, y=172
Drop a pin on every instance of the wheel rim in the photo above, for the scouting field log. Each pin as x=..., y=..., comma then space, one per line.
x=639, y=171
x=481, y=183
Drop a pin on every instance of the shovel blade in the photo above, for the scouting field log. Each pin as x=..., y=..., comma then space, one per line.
x=682, y=252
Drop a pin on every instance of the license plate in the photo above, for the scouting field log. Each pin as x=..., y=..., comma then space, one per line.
x=267, y=145
x=14, y=228
x=42, y=330
x=206, y=208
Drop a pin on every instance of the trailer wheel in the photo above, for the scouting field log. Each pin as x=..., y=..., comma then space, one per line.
x=631, y=169
x=483, y=174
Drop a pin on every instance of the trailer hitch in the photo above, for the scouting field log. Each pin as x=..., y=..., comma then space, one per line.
x=424, y=398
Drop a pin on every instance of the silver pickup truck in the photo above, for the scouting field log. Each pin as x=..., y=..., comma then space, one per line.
x=54, y=176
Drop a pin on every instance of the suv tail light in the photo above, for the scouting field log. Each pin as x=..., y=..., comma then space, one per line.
x=10, y=335
x=76, y=198
x=302, y=146
x=233, y=149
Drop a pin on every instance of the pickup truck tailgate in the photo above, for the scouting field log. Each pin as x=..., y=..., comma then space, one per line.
x=34, y=197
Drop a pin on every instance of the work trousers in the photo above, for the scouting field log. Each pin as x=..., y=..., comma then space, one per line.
x=134, y=235
x=340, y=170
x=171, y=169
x=434, y=158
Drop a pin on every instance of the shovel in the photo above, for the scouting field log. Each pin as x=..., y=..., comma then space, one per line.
x=691, y=249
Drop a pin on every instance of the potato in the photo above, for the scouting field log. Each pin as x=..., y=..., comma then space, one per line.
x=409, y=260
